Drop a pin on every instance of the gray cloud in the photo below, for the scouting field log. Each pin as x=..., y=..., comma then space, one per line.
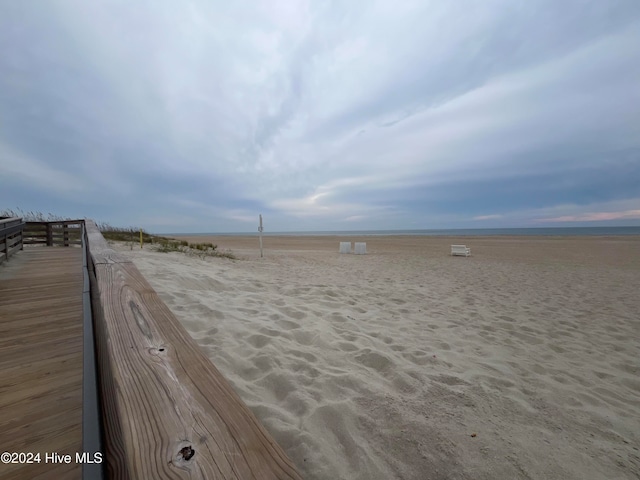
x=321, y=115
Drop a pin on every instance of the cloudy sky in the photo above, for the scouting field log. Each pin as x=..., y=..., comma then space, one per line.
x=196, y=116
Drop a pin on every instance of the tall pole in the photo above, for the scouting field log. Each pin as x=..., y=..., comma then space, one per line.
x=260, y=230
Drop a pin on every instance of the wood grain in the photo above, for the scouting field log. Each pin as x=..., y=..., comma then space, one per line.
x=169, y=413
x=61, y=233
x=41, y=359
x=10, y=237
x=101, y=252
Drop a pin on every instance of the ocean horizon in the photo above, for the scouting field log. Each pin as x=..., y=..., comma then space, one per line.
x=535, y=231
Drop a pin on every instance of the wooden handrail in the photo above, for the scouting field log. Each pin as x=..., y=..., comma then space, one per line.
x=60, y=232
x=91, y=416
x=168, y=412
x=11, y=236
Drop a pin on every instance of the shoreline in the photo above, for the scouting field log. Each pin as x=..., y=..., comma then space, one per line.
x=619, y=251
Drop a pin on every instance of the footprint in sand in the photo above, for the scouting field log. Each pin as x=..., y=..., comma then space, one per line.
x=209, y=337
x=349, y=337
x=264, y=362
x=374, y=360
x=398, y=301
x=303, y=337
x=309, y=357
x=448, y=380
x=556, y=348
x=249, y=311
x=258, y=341
x=418, y=357
x=288, y=325
x=270, y=332
x=337, y=317
x=280, y=385
x=293, y=313
x=631, y=384
x=633, y=369
x=347, y=347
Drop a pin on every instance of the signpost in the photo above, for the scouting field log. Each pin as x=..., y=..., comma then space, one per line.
x=260, y=230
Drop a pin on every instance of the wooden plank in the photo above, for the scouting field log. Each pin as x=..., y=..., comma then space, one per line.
x=14, y=239
x=10, y=236
x=168, y=411
x=13, y=249
x=9, y=222
x=91, y=410
x=100, y=250
x=10, y=230
x=41, y=360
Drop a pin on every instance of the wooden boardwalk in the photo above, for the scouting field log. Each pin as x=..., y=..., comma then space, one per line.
x=165, y=410
x=41, y=360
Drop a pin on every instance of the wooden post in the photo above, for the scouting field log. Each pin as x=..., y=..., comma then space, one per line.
x=140, y=239
x=65, y=233
x=49, y=235
x=260, y=230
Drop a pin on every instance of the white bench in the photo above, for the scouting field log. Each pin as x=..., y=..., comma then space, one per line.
x=460, y=250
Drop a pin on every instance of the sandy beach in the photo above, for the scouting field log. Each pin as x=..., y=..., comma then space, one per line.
x=519, y=362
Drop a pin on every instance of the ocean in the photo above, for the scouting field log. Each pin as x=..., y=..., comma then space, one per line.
x=461, y=232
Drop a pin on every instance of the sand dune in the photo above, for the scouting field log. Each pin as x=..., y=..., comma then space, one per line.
x=520, y=362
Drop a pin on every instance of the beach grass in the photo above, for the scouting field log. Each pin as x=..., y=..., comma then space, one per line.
x=131, y=235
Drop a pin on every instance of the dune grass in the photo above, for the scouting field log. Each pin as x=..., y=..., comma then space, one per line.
x=160, y=243
x=130, y=235
x=32, y=216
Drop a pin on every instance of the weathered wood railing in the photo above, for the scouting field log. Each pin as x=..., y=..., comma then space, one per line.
x=62, y=233
x=167, y=410
x=11, y=236
x=92, y=431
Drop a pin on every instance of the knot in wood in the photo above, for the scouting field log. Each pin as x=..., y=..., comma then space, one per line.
x=187, y=452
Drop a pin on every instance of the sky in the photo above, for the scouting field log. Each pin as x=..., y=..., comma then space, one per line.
x=197, y=116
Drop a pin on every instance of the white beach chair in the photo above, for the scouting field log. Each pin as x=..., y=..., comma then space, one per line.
x=345, y=247
x=462, y=250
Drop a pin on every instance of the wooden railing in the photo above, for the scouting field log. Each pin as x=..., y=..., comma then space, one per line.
x=167, y=411
x=11, y=236
x=92, y=431
x=59, y=233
